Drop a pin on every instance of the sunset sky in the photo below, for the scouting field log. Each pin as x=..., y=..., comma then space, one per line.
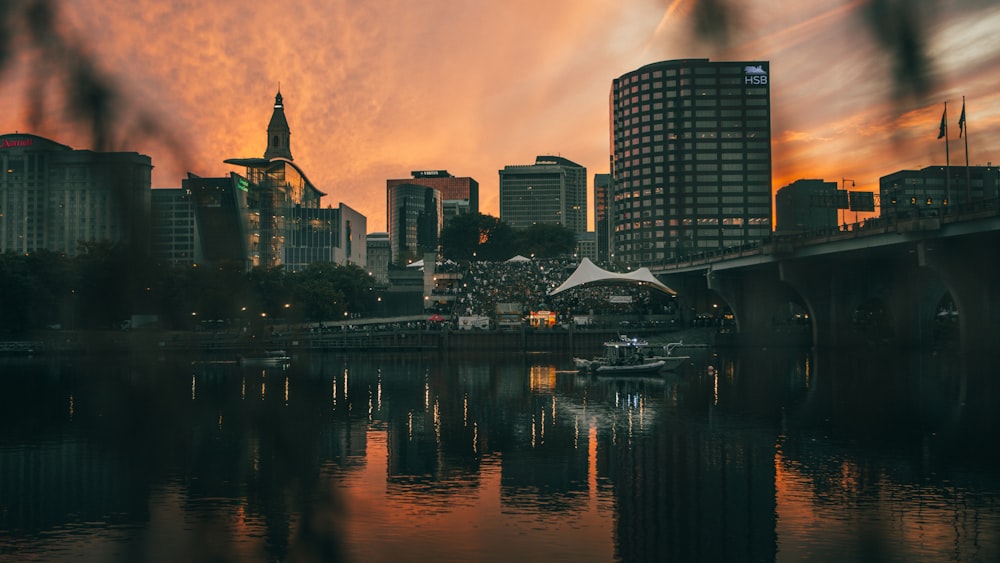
x=376, y=89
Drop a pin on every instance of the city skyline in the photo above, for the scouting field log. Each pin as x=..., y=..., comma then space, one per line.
x=373, y=92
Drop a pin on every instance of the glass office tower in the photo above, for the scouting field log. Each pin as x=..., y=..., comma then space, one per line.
x=690, y=159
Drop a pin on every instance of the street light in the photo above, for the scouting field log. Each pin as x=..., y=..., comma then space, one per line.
x=843, y=182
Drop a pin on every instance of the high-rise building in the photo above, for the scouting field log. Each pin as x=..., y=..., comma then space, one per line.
x=458, y=195
x=553, y=190
x=174, y=234
x=806, y=205
x=690, y=158
x=414, y=214
x=223, y=218
x=602, y=223
x=53, y=197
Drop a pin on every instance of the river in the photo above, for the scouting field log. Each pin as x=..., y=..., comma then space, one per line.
x=740, y=455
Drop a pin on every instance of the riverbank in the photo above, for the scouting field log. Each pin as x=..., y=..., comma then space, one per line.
x=429, y=338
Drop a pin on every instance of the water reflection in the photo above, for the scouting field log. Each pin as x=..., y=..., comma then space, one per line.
x=756, y=455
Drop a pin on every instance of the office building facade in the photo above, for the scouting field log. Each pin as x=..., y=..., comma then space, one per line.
x=174, y=235
x=602, y=222
x=324, y=235
x=806, y=205
x=379, y=257
x=415, y=221
x=553, y=190
x=458, y=195
x=936, y=188
x=690, y=159
x=223, y=218
x=54, y=198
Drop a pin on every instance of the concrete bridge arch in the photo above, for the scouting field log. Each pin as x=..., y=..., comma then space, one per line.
x=881, y=295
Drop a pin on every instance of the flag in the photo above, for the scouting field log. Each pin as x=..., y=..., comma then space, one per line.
x=961, y=121
x=944, y=123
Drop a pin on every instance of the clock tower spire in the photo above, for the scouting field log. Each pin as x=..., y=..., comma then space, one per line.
x=277, y=132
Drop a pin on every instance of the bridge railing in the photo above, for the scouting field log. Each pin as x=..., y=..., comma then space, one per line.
x=896, y=219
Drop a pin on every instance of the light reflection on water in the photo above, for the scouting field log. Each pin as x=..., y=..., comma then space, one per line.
x=754, y=455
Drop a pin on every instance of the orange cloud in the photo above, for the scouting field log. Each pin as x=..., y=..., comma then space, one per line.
x=375, y=90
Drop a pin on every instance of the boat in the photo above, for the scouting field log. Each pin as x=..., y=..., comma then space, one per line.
x=624, y=356
x=266, y=358
x=670, y=361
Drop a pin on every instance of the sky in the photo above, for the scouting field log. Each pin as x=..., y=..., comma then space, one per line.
x=374, y=90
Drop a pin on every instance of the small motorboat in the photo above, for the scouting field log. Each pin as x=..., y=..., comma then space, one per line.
x=670, y=361
x=626, y=356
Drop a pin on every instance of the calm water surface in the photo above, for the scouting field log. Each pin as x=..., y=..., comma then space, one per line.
x=756, y=455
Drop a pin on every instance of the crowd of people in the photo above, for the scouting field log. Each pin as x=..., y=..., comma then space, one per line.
x=484, y=285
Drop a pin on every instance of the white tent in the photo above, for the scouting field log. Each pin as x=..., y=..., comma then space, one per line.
x=417, y=264
x=588, y=273
x=519, y=258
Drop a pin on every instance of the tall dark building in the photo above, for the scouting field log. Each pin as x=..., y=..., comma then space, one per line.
x=602, y=223
x=458, y=195
x=690, y=158
x=53, y=197
x=553, y=190
x=806, y=205
x=174, y=235
x=222, y=217
x=414, y=214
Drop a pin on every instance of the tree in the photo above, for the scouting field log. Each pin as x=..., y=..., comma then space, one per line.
x=324, y=291
x=475, y=236
x=545, y=240
x=105, y=273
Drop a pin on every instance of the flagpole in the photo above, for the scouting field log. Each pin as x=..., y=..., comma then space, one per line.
x=947, y=157
x=964, y=127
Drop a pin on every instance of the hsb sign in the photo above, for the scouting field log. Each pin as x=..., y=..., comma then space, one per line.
x=754, y=75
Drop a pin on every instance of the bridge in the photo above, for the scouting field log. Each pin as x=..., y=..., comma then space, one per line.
x=900, y=280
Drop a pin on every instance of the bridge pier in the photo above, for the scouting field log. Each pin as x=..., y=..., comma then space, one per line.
x=760, y=306
x=971, y=272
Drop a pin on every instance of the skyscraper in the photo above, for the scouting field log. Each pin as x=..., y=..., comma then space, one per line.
x=458, y=195
x=174, y=234
x=602, y=223
x=414, y=214
x=53, y=197
x=690, y=158
x=552, y=190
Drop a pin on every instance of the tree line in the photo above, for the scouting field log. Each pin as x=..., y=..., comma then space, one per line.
x=106, y=284
x=475, y=236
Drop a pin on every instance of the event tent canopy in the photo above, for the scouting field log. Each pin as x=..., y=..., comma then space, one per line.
x=588, y=273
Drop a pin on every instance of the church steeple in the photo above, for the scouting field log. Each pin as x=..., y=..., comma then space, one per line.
x=277, y=132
